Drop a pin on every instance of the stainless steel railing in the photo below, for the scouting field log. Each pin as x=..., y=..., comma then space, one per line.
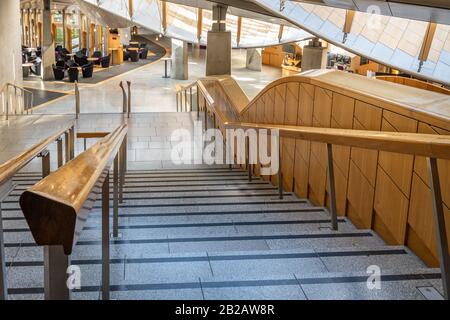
x=15, y=100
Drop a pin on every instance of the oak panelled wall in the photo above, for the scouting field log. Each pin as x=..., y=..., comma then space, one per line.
x=384, y=191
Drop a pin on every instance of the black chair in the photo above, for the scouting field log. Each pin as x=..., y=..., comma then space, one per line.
x=144, y=53
x=36, y=68
x=134, y=55
x=65, y=51
x=61, y=64
x=81, y=60
x=83, y=52
x=73, y=74
x=97, y=54
x=126, y=55
x=88, y=70
x=58, y=72
x=58, y=48
x=104, y=61
x=70, y=64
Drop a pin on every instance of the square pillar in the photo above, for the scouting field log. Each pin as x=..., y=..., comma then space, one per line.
x=218, y=53
x=314, y=56
x=180, y=55
x=48, y=46
x=254, y=59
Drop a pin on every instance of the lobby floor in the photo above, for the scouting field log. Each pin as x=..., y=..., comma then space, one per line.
x=150, y=91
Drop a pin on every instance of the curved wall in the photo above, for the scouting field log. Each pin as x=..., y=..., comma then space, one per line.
x=387, y=192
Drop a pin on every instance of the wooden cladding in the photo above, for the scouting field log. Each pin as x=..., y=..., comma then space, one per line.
x=387, y=192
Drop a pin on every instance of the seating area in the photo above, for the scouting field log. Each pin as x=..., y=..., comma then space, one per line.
x=71, y=65
x=31, y=61
x=135, y=51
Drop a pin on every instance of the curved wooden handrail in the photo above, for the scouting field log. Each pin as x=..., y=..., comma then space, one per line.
x=428, y=145
x=56, y=208
x=12, y=166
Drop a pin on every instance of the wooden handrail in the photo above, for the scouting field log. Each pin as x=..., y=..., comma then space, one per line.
x=56, y=208
x=428, y=145
x=12, y=166
x=91, y=135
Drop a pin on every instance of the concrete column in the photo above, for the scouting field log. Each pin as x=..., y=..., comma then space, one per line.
x=254, y=59
x=88, y=35
x=30, y=33
x=35, y=27
x=10, y=50
x=180, y=55
x=218, y=53
x=48, y=46
x=63, y=28
x=22, y=20
x=314, y=56
x=196, y=50
x=105, y=41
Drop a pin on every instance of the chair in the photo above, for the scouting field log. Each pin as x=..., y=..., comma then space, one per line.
x=134, y=55
x=70, y=63
x=81, y=60
x=97, y=54
x=104, y=61
x=65, y=51
x=83, y=52
x=73, y=74
x=88, y=70
x=58, y=72
x=126, y=55
x=61, y=64
x=144, y=53
x=36, y=68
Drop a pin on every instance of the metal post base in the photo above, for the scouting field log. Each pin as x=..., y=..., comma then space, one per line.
x=439, y=223
x=105, y=239
x=3, y=282
x=55, y=273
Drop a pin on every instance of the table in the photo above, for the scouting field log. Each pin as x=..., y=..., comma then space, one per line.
x=92, y=59
x=165, y=66
x=71, y=55
x=26, y=69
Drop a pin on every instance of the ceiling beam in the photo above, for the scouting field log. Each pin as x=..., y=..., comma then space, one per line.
x=199, y=23
x=239, y=29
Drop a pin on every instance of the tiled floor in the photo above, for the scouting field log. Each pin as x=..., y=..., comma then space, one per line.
x=151, y=92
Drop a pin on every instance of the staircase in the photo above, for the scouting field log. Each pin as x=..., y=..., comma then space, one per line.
x=209, y=233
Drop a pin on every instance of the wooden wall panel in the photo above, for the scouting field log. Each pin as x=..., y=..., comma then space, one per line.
x=318, y=164
x=288, y=144
x=341, y=117
x=421, y=231
x=363, y=167
x=420, y=234
x=303, y=148
x=393, y=183
x=387, y=192
x=278, y=118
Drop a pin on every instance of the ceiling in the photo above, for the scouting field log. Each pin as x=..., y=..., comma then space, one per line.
x=425, y=10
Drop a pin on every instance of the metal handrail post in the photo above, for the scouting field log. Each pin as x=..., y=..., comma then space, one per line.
x=129, y=98
x=72, y=142
x=124, y=98
x=439, y=223
x=190, y=97
x=116, y=196
x=59, y=151
x=3, y=281
x=105, y=238
x=331, y=187
x=55, y=261
x=77, y=100
x=198, y=103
